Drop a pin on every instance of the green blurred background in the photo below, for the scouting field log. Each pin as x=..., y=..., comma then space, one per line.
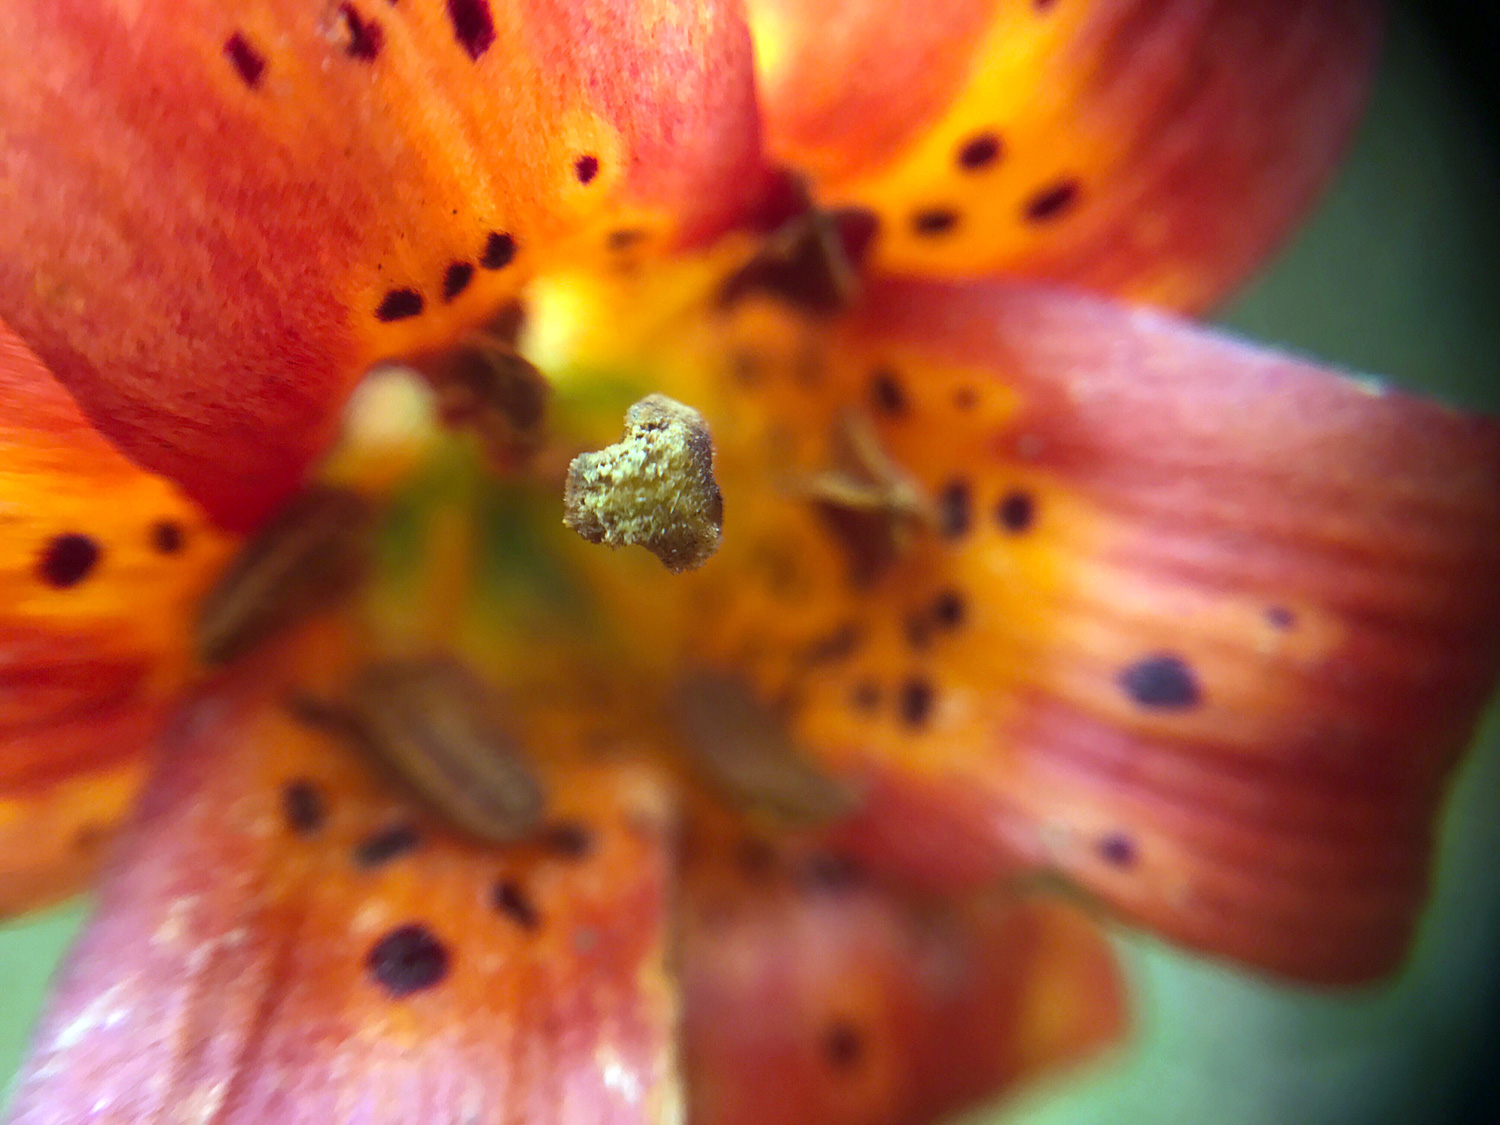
x=1398, y=273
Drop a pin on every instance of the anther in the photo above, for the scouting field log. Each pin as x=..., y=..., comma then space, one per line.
x=654, y=488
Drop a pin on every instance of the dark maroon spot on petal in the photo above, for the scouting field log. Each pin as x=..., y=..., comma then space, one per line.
x=586, y=168
x=1281, y=617
x=250, y=63
x=954, y=509
x=1052, y=202
x=979, y=151
x=934, y=221
x=399, y=304
x=303, y=806
x=516, y=904
x=886, y=392
x=916, y=702
x=1016, y=512
x=865, y=696
x=948, y=609
x=67, y=560
x=407, y=960
x=569, y=839
x=456, y=279
x=362, y=37
x=1118, y=849
x=166, y=536
x=830, y=872
x=499, y=249
x=624, y=239
x=473, y=26
x=1039, y=5
x=965, y=398
x=1161, y=681
x=843, y=1045
x=381, y=847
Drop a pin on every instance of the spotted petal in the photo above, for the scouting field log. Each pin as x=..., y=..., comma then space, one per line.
x=218, y=216
x=1150, y=150
x=1062, y=586
x=1202, y=627
x=813, y=996
x=284, y=939
x=100, y=565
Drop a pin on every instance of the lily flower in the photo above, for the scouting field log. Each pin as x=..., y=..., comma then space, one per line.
x=997, y=603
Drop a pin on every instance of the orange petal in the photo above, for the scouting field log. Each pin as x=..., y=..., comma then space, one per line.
x=217, y=218
x=101, y=564
x=812, y=996
x=1150, y=150
x=284, y=939
x=1204, y=627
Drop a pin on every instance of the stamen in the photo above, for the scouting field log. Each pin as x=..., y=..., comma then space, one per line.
x=871, y=503
x=654, y=488
x=485, y=386
x=866, y=479
x=811, y=261
x=433, y=724
x=742, y=749
x=314, y=553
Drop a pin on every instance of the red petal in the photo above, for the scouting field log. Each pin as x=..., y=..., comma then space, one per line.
x=101, y=564
x=1150, y=150
x=217, y=218
x=813, y=997
x=1203, y=627
x=283, y=939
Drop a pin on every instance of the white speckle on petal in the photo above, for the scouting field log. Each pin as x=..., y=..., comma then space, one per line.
x=174, y=925
x=618, y=1077
x=105, y=1010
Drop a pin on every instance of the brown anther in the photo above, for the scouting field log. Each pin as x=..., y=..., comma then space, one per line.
x=810, y=260
x=313, y=553
x=874, y=506
x=864, y=477
x=742, y=749
x=484, y=385
x=654, y=488
x=434, y=726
